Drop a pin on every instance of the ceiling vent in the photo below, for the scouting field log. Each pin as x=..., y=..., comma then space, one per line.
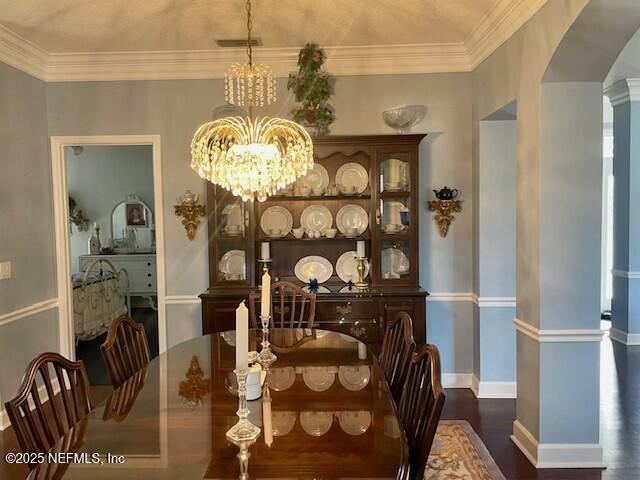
x=238, y=43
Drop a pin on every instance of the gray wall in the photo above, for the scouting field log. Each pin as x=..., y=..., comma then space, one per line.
x=174, y=109
x=26, y=225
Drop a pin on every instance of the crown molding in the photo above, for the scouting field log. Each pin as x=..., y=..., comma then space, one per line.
x=19, y=53
x=206, y=64
x=498, y=26
x=493, y=30
x=623, y=91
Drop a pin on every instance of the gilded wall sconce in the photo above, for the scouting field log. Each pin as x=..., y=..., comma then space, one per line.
x=190, y=211
x=445, y=205
x=195, y=386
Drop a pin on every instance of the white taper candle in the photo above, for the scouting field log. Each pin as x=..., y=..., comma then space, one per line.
x=265, y=251
x=242, y=337
x=265, y=300
x=360, y=249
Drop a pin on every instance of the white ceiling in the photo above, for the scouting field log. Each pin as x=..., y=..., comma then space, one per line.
x=125, y=25
x=429, y=35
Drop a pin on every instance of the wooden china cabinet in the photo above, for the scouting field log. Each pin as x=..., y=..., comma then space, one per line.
x=235, y=237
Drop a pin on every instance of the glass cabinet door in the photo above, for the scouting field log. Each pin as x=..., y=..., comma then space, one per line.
x=229, y=240
x=395, y=232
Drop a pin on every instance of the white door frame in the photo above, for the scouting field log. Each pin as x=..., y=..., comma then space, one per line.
x=66, y=334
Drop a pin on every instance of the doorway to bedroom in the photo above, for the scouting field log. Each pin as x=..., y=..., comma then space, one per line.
x=112, y=245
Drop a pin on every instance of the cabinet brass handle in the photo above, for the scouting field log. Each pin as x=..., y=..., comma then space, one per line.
x=377, y=216
x=344, y=309
x=246, y=218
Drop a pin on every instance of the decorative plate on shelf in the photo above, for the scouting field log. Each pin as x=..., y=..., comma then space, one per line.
x=282, y=378
x=283, y=422
x=316, y=218
x=319, y=379
x=316, y=423
x=276, y=222
x=313, y=266
x=354, y=422
x=394, y=263
x=316, y=179
x=394, y=174
x=232, y=265
x=347, y=267
x=355, y=377
x=352, y=216
x=352, y=178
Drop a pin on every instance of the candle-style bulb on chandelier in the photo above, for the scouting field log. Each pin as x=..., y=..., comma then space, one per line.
x=252, y=157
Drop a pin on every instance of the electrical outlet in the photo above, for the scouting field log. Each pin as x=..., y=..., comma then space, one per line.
x=5, y=270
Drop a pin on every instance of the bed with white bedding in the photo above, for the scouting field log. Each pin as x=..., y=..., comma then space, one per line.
x=100, y=294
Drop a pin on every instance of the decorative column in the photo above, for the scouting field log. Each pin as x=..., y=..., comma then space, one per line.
x=625, y=305
x=558, y=278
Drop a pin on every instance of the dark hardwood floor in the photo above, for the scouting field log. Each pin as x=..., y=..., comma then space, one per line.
x=492, y=420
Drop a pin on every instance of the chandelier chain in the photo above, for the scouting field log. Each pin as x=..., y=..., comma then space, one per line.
x=249, y=27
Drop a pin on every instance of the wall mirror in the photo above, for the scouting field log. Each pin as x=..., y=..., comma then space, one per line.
x=132, y=226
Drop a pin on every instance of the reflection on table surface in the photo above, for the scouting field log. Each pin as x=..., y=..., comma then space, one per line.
x=325, y=411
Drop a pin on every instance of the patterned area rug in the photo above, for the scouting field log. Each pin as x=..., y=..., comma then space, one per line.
x=459, y=454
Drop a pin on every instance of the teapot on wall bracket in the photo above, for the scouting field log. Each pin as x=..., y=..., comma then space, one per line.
x=445, y=205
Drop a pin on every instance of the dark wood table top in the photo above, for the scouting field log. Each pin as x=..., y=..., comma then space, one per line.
x=332, y=415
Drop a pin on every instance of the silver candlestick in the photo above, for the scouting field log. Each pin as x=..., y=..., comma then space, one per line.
x=265, y=266
x=266, y=357
x=244, y=430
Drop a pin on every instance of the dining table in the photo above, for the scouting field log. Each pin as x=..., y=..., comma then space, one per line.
x=324, y=409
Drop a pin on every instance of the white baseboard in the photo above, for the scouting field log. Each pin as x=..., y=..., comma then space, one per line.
x=493, y=389
x=557, y=455
x=624, y=337
x=457, y=380
x=42, y=393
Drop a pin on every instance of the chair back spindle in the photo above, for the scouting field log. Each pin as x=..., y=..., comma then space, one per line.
x=126, y=350
x=39, y=424
x=291, y=307
x=420, y=407
x=395, y=355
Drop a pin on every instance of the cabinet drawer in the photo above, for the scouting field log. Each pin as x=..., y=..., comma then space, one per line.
x=365, y=329
x=346, y=309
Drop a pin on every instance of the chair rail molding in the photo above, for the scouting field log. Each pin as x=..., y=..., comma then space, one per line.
x=557, y=455
x=181, y=299
x=494, y=302
x=497, y=26
x=450, y=297
x=29, y=311
x=559, y=336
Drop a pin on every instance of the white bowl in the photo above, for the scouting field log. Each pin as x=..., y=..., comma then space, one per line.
x=330, y=233
x=298, y=232
x=403, y=117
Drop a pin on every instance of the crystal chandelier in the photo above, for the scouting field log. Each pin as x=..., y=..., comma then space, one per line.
x=252, y=157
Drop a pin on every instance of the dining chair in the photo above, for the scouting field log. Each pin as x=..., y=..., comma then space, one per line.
x=291, y=306
x=420, y=407
x=126, y=350
x=68, y=401
x=395, y=355
x=70, y=442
